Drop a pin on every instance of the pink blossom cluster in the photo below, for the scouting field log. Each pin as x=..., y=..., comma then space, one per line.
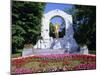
x=22, y=71
x=56, y=56
x=85, y=67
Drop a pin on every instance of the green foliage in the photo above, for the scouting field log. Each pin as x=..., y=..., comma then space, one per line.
x=85, y=25
x=26, y=22
x=70, y=11
x=51, y=33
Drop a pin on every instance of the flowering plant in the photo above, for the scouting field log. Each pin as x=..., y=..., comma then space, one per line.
x=50, y=63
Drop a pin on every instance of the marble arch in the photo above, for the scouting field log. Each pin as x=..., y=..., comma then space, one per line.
x=47, y=42
x=46, y=20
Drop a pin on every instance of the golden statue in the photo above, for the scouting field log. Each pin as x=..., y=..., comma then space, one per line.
x=56, y=29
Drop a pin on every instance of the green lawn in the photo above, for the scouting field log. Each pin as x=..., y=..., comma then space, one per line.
x=17, y=54
x=92, y=52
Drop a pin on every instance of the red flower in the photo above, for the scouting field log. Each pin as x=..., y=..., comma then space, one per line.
x=66, y=63
x=45, y=62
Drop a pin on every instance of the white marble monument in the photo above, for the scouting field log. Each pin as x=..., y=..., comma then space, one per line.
x=67, y=42
x=49, y=45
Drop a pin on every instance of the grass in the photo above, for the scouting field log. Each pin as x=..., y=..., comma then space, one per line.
x=92, y=52
x=17, y=54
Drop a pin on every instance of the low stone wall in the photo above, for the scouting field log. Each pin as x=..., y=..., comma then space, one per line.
x=42, y=52
x=30, y=51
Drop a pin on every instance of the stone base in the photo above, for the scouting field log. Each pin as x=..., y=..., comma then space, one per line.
x=48, y=51
x=42, y=52
x=27, y=52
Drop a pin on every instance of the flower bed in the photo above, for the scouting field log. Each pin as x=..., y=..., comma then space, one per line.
x=50, y=63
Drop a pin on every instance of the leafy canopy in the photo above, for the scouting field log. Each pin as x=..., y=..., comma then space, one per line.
x=26, y=22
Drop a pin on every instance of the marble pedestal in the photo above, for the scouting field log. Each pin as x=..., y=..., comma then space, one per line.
x=43, y=52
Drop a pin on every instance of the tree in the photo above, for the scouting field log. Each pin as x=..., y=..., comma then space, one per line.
x=51, y=33
x=26, y=22
x=85, y=25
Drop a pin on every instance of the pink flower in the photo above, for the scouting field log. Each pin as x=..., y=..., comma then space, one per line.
x=85, y=67
x=85, y=62
x=22, y=71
